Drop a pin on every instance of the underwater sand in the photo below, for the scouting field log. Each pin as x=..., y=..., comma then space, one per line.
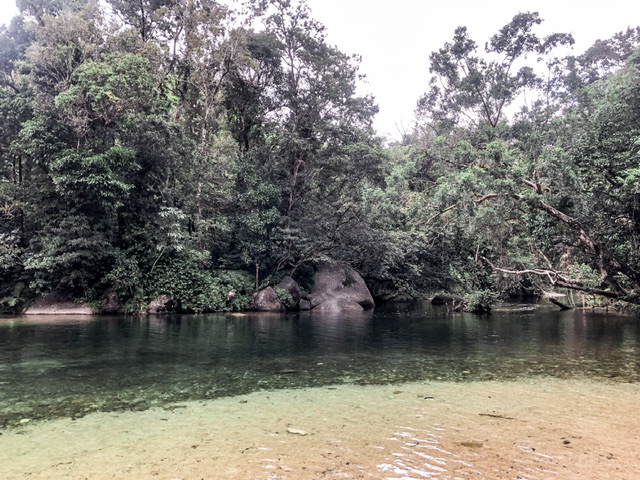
x=529, y=429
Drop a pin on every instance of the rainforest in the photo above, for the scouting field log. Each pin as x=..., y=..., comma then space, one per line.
x=204, y=151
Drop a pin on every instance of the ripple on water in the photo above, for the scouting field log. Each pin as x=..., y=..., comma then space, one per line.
x=413, y=461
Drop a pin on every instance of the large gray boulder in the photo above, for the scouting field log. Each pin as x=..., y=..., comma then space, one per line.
x=338, y=304
x=338, y=287
x=290, y=286
x=163, y=304
x=267, y=300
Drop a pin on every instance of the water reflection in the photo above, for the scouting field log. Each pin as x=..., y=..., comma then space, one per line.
x=70, y=366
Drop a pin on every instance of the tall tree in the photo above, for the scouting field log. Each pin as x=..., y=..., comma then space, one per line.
x=325, y=135
x=521, y=188
x=470, y=88
x=145, y=16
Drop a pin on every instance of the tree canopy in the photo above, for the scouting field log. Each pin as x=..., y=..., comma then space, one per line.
x=189, y=148
x=543, y=194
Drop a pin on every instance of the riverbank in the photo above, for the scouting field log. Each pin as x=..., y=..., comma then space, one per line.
x=535, y=428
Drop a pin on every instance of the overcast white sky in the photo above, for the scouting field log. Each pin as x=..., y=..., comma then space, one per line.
x=396, y=37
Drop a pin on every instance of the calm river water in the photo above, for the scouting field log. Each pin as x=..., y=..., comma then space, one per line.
x=70, y=366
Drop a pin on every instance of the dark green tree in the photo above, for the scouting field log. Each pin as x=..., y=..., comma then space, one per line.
x=525, y=189
x=324, y=147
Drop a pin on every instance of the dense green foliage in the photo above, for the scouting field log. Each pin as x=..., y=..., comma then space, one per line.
x=181, y=147
x=175, y=147
x=544, y=197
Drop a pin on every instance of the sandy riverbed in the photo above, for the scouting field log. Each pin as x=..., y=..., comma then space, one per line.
x=536, y=429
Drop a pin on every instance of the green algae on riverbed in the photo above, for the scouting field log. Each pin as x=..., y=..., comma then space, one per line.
x=70, y=367
x=534, y=428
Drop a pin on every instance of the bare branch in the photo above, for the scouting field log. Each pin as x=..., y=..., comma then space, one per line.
x=557, y=279
x=487, y=197
x=433, y=217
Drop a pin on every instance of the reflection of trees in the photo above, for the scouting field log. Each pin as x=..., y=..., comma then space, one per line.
x=421, y=344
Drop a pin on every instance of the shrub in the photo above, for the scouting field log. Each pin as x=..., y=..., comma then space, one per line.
x=198, y=290
x=481, y=301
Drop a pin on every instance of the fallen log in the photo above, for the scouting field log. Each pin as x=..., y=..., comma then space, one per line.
x=559, y=304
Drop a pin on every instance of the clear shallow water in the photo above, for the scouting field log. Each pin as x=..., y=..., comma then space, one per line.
x=52, y=367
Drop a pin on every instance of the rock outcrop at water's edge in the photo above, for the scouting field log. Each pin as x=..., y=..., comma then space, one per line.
x=54, y=304
x=338, y=304
x=453, y=302
x=111, y=304
x=267, y=300
x=449, y=300
x=290, y=286
x=163, y=304
x=335, y=287
x=338, y=287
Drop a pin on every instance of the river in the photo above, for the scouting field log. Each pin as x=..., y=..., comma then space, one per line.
x=95, y=370
x=51, y=366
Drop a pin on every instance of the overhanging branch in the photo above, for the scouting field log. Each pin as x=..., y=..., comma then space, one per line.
x=557, y=279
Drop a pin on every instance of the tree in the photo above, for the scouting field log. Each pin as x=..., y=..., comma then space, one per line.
x=603, y=58
x=145, y=16
x=526, y=190
x=324, y=136
x=474, y=89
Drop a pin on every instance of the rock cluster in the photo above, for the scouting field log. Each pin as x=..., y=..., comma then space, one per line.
x=336, y=288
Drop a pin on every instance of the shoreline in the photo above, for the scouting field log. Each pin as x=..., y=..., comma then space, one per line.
x=533, y=428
